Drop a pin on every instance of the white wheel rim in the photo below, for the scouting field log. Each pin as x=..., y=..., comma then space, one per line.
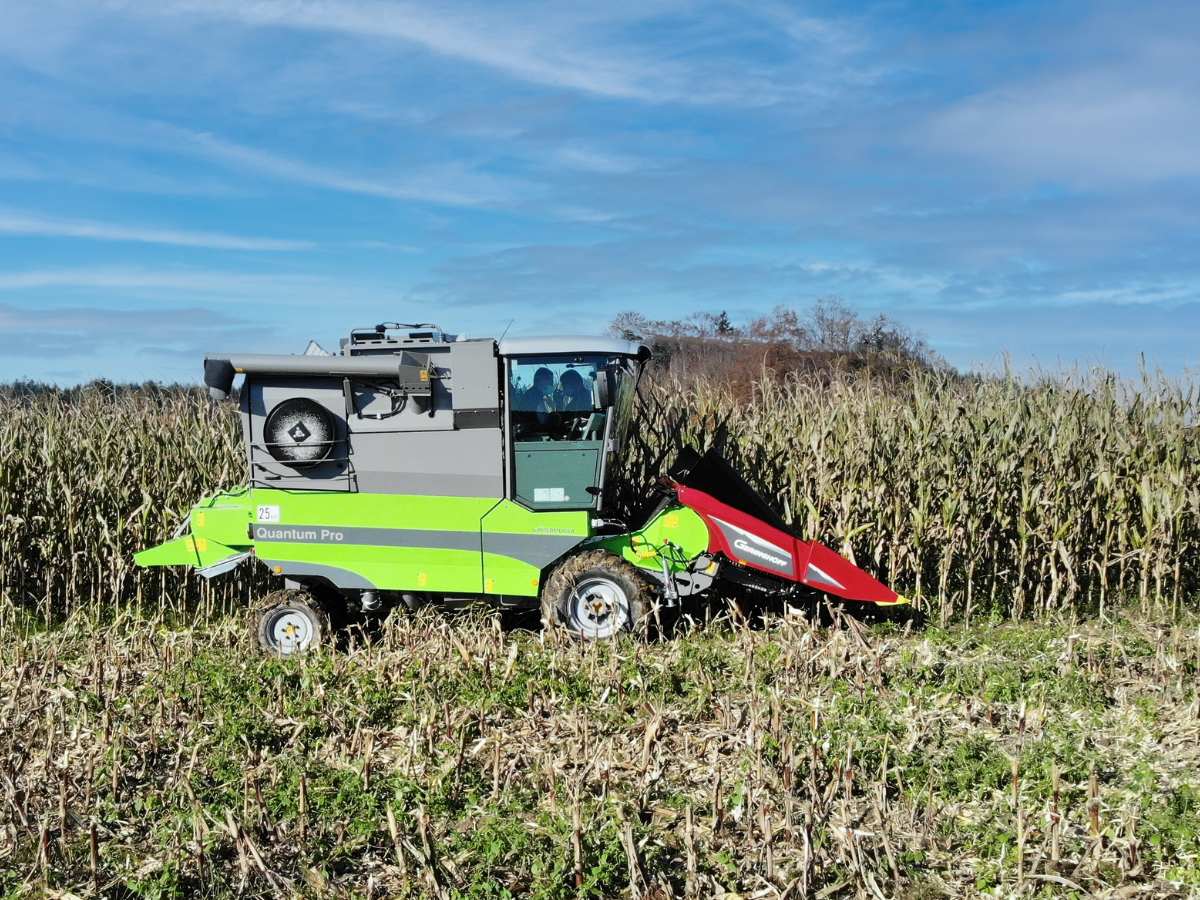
x=598, y=609
x=290, y=630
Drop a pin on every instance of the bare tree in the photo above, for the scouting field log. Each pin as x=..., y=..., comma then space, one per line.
x=830, y=333
x=833, y=324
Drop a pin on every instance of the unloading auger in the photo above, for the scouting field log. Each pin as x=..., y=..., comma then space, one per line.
x=415, y=466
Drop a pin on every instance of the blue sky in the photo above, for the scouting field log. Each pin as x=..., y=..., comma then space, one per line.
x=179, y=176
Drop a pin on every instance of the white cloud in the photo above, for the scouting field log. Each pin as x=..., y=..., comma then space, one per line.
x=591, y=160
x=594, y=49
x=18, y=223
x=1085, y=130
x=1112, y=99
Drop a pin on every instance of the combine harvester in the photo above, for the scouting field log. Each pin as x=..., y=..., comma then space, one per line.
x=416, y=467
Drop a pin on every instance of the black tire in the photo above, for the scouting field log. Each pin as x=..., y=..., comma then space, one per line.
x=289, y=622
x=596, y=596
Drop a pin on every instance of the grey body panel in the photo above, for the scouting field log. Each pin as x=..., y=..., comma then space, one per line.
x=374, y=407
x=570, y=343
x=415, y=538
x=475, y=375
x=536, y=549
x=390, y=443
x=465, y=463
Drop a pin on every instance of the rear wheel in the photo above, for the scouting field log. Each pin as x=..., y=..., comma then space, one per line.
x=289, y=622
x=596, y=596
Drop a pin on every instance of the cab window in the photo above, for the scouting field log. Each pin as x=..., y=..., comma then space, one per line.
x=555, y=399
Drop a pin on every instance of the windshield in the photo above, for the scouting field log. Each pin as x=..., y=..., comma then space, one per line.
x=557, y=398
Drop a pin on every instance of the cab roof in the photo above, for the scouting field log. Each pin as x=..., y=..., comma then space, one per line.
x=571, y=343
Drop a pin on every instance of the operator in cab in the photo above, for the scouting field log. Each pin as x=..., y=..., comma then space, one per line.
x=576, y=396
x=541, y=396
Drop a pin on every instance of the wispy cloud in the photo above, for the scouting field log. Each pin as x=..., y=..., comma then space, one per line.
x=18, y=223
x=449, y=184
x=75, y=336
x=600, y=51
x=171, y=285
x=1091, y=129
x=525, y=42
x=117, y=322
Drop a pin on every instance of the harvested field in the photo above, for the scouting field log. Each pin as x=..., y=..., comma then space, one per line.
x=453, y=756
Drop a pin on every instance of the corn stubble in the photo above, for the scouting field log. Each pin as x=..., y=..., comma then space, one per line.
x=456, y=757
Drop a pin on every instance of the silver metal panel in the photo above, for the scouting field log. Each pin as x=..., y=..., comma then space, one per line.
x=370, y=410
x=379, y=366
x=430, y=463
x=474, y=375
x=569, y=343
x=816, y=576
x=225, y=565
x=750, y=548
x=342, y=578
x=427, y=485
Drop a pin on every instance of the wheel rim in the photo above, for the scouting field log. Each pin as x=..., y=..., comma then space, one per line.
x=290, y=630
x=598, y=609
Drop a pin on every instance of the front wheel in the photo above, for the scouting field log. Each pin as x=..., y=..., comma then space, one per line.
x=289, y=622
x=595, y=596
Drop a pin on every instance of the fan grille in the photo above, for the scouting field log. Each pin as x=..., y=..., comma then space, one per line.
x=300, y=431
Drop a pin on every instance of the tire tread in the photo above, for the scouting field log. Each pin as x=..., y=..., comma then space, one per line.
x=567, y=574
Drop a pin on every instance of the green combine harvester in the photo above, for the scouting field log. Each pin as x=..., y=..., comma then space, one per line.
x=415, y=467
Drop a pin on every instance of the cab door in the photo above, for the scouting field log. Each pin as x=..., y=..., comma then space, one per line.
x=557, y=428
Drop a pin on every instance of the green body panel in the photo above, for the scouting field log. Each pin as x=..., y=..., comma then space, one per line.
x=177, y=552
x=218, y=529
x=383, y=538
x=394, y=542
x=225, y=518
x=556, y=533
x=676, y=534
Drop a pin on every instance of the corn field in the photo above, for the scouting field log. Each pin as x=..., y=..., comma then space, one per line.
x=89, y=477
x=989, y=497
x=978, y=498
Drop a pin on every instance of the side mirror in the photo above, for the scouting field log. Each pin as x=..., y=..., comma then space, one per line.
x=604, y=389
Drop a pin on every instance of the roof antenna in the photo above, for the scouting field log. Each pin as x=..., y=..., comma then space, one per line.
x=506, y=327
